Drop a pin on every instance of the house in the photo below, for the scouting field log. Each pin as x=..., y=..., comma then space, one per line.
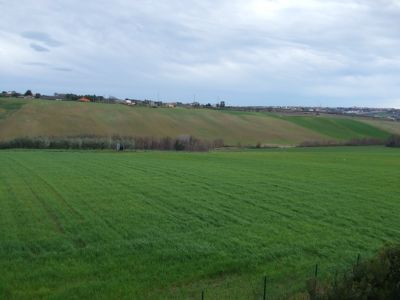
x=46, y=97
x=60, y=96
x=84, y=99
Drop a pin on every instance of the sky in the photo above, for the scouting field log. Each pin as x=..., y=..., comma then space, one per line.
x=245, y=52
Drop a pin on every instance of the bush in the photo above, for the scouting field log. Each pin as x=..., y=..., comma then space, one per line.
x=377, y=278
x=352, y=142
x=393, y=141
x=182, y=143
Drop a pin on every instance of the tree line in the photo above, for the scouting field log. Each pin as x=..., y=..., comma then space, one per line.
x=392, y=141
x=92, y=142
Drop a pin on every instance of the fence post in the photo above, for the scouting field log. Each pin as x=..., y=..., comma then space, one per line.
x=202, y=295
x=265, y=288
x=355, y=267
x=335, y=279
x=315, y=279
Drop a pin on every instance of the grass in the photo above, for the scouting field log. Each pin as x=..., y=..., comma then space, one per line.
x=339, y=128
x=62, y=118
x=157, y=225
x=9, y=107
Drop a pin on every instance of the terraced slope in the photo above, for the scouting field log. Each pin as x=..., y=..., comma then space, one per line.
x=58, y=118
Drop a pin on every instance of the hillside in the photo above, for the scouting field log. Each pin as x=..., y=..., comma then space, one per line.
x=59, y=118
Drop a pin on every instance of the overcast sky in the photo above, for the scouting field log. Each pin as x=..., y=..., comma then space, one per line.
x=246, y=52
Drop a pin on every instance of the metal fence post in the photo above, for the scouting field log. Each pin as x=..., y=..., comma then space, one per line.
x=315, y=279
x=265, y=288
x=355, y=267
x=335, y=279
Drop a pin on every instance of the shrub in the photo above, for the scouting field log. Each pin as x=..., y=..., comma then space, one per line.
x=377, y=278
x=352, y=142
x=182, y=143
x=393, y=141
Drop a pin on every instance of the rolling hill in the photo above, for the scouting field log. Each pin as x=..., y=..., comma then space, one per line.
x=20, y=118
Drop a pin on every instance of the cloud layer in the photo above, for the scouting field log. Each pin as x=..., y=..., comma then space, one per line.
x=254, y=52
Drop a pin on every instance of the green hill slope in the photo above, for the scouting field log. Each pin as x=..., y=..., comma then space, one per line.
x=60, y=118
x=338, y=128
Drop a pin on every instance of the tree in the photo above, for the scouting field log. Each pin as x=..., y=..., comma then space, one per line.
x=28, y=93
x=37, y=95
x=15, y=94
x=71, y=97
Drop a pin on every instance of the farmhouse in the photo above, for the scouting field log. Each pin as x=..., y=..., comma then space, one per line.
x=130, y=102
x=84, y=99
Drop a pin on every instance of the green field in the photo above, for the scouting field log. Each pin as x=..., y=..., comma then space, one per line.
x=165, y=225
x=338, y=128
x=32, y=118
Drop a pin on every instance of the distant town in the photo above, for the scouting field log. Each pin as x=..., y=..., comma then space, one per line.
x=383, y=113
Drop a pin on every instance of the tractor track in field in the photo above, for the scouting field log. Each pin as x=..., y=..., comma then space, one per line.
x=173, y=208
x=170, y=209
x=53, y=190
x=228, y=210
x=106, y=222
x=12, y=193
x=79, y=243
x=50, y=213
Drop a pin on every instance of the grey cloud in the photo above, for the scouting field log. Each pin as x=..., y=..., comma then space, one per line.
x=49, y=66
x=41, y=37
x=62, y=69
x=38, y=48
x=246, y=51
x=35, y=63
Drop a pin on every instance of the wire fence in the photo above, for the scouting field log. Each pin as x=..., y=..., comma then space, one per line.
x=263, y=289
x=259, y=291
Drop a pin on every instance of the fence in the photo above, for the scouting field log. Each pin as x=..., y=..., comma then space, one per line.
x=261, y=290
